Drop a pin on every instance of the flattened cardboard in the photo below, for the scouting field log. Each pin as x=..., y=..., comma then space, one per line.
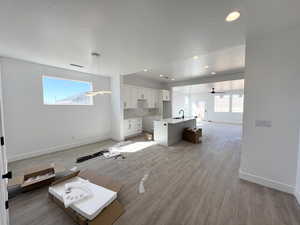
x=57, y=167
x=108, y=215
x=15, y=181
x=31, y=185
x=100, y=180
x=67, y=177
x=19, y=180
x=73, y=214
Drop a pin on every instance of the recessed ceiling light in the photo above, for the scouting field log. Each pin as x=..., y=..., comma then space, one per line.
x=161, y=75
x=233, y=16
x=213, y=73
x=145, y=70
x=195, y=57
x=173, y=79
x=206, y=67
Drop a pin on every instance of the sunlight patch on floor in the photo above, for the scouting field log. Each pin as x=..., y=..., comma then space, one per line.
x=136, y=146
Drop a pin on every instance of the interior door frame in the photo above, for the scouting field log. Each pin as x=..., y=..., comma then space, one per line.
x=4, y=216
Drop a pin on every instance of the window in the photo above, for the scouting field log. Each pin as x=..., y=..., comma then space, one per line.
x=222, y=103
x=58, y=91
x=237, y=103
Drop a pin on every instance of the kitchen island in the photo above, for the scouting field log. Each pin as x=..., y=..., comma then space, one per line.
x=169, y=131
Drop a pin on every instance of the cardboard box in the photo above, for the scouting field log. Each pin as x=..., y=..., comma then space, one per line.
x=23, y=183
x=38, y=179
x=108, y=215
x=192, y=135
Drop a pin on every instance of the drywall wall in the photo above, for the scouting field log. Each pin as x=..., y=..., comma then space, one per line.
x=117, y=108
x=269, y=151
x=33, y=128
x=185, y=101
x=297, y=189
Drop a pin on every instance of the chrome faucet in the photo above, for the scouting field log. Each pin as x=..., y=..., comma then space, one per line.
x=181, y=110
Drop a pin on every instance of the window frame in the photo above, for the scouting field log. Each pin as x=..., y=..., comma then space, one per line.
x=240, y=95
x=229, y=103
x=62, y=78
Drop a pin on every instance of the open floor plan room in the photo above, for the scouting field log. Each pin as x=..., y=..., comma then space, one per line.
x=142, y=112
x=181, y=187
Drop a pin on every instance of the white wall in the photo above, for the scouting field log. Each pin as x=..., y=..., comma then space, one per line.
x=117, y=108
x=180, y=100
x=272, y=93
x=297, y=191
x=33, y=128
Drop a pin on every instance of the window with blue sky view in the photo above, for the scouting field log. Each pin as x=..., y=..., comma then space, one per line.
x=58, y=91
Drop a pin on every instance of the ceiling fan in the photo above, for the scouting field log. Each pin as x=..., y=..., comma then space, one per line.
x=216, y=92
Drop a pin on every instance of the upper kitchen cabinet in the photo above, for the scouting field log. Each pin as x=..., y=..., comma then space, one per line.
x=152, y=98
x=151, y=101
x=165, y=95
x=129, y=97
x=141, y=93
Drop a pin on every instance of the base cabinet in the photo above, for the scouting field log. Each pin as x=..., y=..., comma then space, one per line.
x=132, y=127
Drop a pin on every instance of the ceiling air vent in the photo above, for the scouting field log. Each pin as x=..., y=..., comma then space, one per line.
x=76, y=65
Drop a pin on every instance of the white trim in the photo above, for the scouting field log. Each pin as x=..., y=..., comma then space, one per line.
x=58, y=148
x=224, y=122
x=62, y=78
x=267, y=182
x=67, y=79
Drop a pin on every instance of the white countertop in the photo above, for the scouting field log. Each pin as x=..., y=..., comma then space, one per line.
x=174, y=121
x=133, y=118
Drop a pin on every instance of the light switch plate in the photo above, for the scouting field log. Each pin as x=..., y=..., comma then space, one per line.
x=263, y=123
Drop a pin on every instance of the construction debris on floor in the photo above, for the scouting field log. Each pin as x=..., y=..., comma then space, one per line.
x=92, y=198
x=112, y=152
x=141, y=185
x=33, y=178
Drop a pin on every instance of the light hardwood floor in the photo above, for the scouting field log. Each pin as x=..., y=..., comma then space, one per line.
x=188, y=185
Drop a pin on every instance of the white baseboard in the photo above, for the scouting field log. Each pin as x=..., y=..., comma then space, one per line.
x=58, y=148
x=267, y=182
x=225, y=122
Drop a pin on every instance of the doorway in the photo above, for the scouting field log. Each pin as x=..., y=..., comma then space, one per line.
x=3, y=169
x=199, y=110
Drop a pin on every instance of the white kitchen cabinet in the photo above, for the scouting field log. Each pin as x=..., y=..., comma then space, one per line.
x=129, y=97
x=132, y=127
x=151, y=98
x=133, y=97
x=148, y=122
x=156, y=98
x=141, y=92
x=165, y=95
x=126, y=97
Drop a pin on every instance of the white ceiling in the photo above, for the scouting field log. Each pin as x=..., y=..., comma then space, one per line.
x=129, y=34
x=223, y=86
x=162, y=35
x=225, y=61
